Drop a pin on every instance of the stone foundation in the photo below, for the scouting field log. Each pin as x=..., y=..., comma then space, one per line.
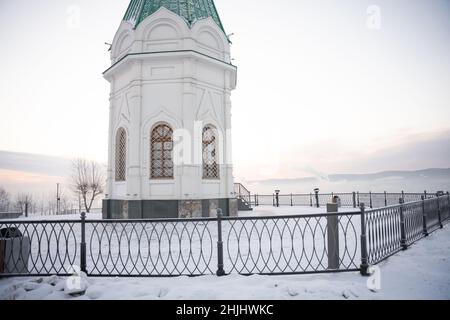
x=168, y=209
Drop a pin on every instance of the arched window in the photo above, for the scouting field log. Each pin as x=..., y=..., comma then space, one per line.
x=121, y=155
x=210, y=153
x=161, y=152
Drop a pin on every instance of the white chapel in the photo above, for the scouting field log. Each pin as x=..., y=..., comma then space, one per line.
x=170, y=113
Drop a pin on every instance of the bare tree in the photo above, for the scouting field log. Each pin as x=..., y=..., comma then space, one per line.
x=4, y=200
x=25, y=203
x=47, y=204
x=88, y=179
x=65, y=205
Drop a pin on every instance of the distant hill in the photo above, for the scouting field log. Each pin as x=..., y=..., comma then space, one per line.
x=40, y=173
x=419, y=174
x=391, y=181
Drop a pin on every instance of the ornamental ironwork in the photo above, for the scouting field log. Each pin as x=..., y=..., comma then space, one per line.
x=210, y=153
x=161, y=152
x=121, y=155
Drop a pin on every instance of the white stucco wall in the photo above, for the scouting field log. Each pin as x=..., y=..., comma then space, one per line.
x=165, y=71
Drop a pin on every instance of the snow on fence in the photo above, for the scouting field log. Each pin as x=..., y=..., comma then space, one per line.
x=225, y=245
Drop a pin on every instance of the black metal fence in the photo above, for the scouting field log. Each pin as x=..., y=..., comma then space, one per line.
x=292, y=244
x=391, y=229
x=226, y=245
x=151, y=248
x=351, y=199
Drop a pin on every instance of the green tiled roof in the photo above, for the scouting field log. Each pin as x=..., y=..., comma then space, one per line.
x=190, y=10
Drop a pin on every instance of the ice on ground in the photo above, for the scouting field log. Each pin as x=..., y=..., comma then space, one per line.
x=421, y=272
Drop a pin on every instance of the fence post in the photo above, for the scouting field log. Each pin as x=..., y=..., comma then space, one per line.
x=333, y=236
x=448, y=204
x=273, y=200
x=26, y=210
x=292, y=200
x=256, y=201
x=357, y=194
x=310, y=199
x=403, y=196
x=385, y=199
x=403, y=242
x=424, y=218
x=83, y=266
x=439, y=210
x=371, y=203
x=425, y=193
x=364, y=253
x=354, y=199
x=220, y=270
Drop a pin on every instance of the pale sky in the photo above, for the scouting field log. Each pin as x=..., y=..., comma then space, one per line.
x=320, y=89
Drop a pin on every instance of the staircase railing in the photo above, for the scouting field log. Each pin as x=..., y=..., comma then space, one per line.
x=242, y=193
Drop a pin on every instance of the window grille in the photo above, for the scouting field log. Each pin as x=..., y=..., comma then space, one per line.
x=121, y=155
x=161, y=152
x=210, y=153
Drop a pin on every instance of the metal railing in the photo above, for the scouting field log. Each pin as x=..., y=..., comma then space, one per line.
x=39, y=247
x=67, y=212
x=391, y=229
x=242, y=193
x=291, y=244
x=349, y=199
x=224, y=245
x=174, y=247
x=151, y=248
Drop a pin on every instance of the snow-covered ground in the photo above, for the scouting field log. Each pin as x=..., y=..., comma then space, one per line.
x=91, y=216
x=260, y=211
x=264, y=211
x=421, y=272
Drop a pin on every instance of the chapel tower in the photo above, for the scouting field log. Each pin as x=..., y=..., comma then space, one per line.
x=170, y=113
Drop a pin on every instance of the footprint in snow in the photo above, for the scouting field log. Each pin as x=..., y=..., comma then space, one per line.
x=347, y=294
x=163, y=292
x=292, y=292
